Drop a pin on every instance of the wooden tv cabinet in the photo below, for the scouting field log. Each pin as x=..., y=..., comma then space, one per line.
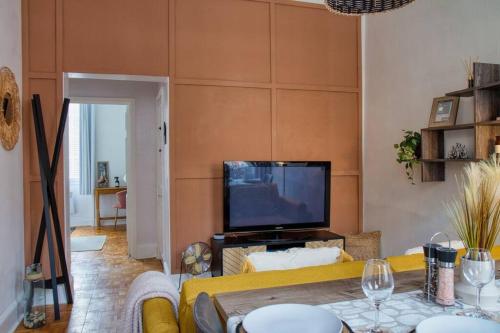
x=229, y=253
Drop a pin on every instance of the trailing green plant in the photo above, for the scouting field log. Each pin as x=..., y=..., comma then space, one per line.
x=408, y=152
x=475, y=213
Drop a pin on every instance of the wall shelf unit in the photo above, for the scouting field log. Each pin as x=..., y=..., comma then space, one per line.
x=435, y=160
x=486, y=95
x=450, y=128
x=469, y=92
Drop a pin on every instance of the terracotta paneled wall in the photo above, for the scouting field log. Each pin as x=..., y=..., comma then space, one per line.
x=249, y=79
x=41, y=75
x=260, y=80
x=115, y=36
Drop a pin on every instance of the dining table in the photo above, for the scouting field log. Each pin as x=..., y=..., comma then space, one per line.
x=345, y=298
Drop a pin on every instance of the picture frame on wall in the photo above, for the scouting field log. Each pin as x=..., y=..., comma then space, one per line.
x=102, y=174
x=444, y=111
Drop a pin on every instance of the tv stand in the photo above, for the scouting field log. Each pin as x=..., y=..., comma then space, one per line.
x=270, y=237
x=229, y=253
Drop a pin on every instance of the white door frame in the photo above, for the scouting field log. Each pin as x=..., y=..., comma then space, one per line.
x=164, y=154
x=130, y=165
x=131, y=181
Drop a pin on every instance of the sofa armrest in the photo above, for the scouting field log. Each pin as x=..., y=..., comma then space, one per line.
x=158, y=316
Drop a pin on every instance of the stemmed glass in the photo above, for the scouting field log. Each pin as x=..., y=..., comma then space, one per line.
x=378, y=285
x=478, y=268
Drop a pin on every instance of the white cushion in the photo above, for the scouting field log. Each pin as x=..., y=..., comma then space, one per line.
x=293, y=258
x=455, y=244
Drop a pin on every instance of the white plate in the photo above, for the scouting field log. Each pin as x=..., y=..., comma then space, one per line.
x=292, y=318
x=457, y=324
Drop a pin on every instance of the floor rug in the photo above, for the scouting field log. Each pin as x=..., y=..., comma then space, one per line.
x=87, y=243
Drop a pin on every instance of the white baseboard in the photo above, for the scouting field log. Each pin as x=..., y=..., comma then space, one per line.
x=166, y=269
x=11, y=317
x=111, y=223
x=145, y=251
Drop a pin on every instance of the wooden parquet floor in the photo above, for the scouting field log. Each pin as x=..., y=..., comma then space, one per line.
x=101, y=281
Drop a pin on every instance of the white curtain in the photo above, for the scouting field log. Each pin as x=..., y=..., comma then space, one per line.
x=87, y=149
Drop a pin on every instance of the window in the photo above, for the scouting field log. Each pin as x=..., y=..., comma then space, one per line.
x=74, y=146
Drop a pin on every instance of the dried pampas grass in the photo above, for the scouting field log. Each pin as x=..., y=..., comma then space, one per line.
x=475, y=214
x=469, y=67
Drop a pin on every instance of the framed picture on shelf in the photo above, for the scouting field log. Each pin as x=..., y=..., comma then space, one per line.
x=102, y=174
x=444, y=111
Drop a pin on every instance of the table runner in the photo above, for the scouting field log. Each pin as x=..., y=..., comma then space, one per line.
x=401, y=314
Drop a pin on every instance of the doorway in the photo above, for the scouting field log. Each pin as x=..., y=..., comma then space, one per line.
x=145, y=175
x=97, y=146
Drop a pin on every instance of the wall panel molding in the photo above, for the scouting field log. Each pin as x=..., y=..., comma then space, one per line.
x=314, y=125
x=315, y=47
x=269, y=52
x=42, y=74
x=284, y=86
x=223, y=40
x=347, y=171
x=41, y=35
x=110, y=37
x=221, y=123
x=345, y=204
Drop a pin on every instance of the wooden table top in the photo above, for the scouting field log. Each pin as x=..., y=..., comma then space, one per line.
x=242, y=302
x=107, y=190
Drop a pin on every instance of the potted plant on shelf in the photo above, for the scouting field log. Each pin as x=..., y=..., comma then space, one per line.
x=408, y=152
x=475, y=215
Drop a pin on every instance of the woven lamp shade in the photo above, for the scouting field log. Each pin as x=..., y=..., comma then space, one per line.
x=359, y=7
x=10, y=113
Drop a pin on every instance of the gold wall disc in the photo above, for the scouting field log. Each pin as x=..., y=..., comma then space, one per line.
x=10, y=113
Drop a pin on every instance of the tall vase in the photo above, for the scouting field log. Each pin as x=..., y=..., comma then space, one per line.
x=490, y=293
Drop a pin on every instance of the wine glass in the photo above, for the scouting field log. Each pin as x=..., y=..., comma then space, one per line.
x=378, y=285
x=478, y=268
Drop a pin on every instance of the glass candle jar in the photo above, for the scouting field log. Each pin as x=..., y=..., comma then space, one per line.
x=34, y=297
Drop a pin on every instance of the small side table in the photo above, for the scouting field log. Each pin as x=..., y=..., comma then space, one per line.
x=97, y=195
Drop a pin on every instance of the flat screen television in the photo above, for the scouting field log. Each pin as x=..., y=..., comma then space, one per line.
x=260, y=195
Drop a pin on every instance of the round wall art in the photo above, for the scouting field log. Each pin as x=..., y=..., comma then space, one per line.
x=10, y=113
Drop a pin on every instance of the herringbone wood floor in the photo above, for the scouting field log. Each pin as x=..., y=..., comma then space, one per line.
x=101, y=281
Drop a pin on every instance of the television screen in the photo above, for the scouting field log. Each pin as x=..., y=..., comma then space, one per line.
x=276, y=195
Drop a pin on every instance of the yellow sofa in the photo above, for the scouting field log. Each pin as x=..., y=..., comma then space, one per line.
x=158, y=316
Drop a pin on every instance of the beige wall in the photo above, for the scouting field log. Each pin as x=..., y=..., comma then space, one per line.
x=11, y=179
x=412, y=55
